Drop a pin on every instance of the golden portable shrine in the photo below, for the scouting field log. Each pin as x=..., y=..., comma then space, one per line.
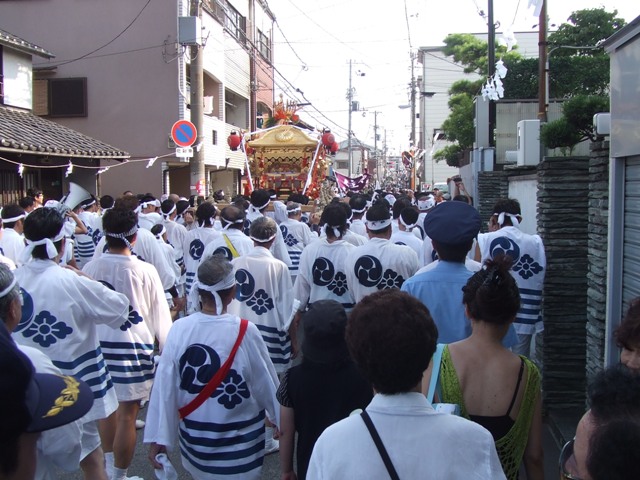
x=282, y=158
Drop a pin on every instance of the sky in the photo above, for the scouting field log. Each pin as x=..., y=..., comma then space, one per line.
x=314, y=42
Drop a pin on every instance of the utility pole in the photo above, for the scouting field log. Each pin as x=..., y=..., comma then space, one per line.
x=412, y=181
x=350, y=100
x=491, y=57
x=198, y=184
x=542, y=62
x=375, y=143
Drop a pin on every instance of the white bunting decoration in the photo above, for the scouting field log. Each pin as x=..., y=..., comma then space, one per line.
x=20, y=170
x=69, y=169
x=494, y=88
x=151, y=162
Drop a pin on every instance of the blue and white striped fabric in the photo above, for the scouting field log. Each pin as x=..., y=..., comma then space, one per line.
x=278, y=345
x=297, y=236
x=128, y=349
x=193, y=248
x=224, y=437
x=60, y=317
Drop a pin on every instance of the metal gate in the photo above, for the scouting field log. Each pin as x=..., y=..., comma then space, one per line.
x=631, y=248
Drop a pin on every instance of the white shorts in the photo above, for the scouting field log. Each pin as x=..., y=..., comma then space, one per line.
x=90, y=438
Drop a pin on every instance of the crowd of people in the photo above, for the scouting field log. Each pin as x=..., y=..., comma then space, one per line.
x=384, y=336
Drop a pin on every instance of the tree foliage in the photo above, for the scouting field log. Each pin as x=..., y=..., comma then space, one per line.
x=588, y=27
x=576, y=123
x=471, y=52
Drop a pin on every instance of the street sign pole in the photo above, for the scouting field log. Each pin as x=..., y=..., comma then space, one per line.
x=196, y=164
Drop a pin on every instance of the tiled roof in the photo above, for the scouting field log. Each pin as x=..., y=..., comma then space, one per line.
x=11, y=40
x=24, y=132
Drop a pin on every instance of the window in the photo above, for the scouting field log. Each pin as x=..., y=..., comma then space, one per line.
x=236, y=24
x=68, y=97
x=264, y=45
x=214, y=137
x=215, y=8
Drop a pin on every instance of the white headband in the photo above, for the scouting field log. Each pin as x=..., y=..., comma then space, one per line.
x=52, y=251
x=212, y=221
x=224, y=284
x=354, y=210
x=166, y=215
x=336, y=230
x=261, y=207
x=87, y=205
x=408, y=227
x=390, y=198
x=260, y=240
x=161, y=232
x=7, y=290
x=294, y=210
x=377, y=224
x=229, y=222
x=514, y=218
x=123, y=236
x=14, y=219
x=427, y=203
x=155, y=203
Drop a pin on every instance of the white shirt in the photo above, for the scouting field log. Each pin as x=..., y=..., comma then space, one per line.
x=378, y=265
x=8, y=262
x=148, y=220
x=297, y=236
x=358, y=226
x=420, y=442
x=12, y=244
x=529, y=268
x=403, y=237
x=237, y=238
x=71, y=306
x=85, y=243
x=279, y=249
x=322, y=273
x=58, y=447
x=222, y=433
x=128, y=349
x=147, y=249
x=193, y=247
x=264, y=296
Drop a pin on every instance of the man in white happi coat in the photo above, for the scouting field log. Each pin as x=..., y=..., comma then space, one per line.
x=12, y=239
x=260, y=200
x=407, y=222
x=426, y=202
x=264, y=294
x=195, y=242
x=176, y=233
x=232, y=242
x=128, y=350
x=223, y=437
x=348, y=236
x=323, y=264
x=358, y=204
x=296, y=234
x=85, y=242
x=529, y=266
x=379, y=264
x=147, y=211
x=60, y=316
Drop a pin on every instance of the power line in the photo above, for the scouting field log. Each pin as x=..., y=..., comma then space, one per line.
x=110, y=41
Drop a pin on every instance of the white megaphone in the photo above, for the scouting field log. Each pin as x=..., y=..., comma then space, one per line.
x=76, y=195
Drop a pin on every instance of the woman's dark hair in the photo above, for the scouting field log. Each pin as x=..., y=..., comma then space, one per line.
x=491, y=294
x=379, y=211
x=627, y=334
x=43, y=223
x=391, y=337
x=118, y=220
x=205, y=214
x=334, y=216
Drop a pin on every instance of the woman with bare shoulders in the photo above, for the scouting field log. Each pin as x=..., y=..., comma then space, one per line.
x=493, y=386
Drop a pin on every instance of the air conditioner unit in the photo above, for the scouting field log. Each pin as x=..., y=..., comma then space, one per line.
x=528, y=142
x=208, y=105
x=602, y=123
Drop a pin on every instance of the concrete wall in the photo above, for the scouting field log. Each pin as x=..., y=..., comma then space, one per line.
x=524, y=188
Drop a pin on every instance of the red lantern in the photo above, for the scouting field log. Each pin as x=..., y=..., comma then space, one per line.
x=234, y=140
x=328, y=139
x=334, y=147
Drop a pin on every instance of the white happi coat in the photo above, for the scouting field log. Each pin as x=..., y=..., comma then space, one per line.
x=322, y=273
x=59, y=317
x=403, y=237
x=147, y=249
x=85, y=243
x=218, y=245
x=176, y=234
x=529, y=268
x=264, y=296
x=8, y=262
x=358, y=226
x=193, y=247
x=224, y=437
x=11, y=244
x=128, y=349
x=378, y=265
x=58, y=447
x=278, y=248
x=297, y=236
x=148, y=220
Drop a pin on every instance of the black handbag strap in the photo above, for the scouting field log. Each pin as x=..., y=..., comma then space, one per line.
x=380, y=446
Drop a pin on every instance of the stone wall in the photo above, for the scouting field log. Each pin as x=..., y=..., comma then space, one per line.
x=563, y=216
x=597, y=248
x=491, y=187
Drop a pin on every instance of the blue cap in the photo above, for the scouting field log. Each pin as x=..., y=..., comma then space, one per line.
x=453, y=223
